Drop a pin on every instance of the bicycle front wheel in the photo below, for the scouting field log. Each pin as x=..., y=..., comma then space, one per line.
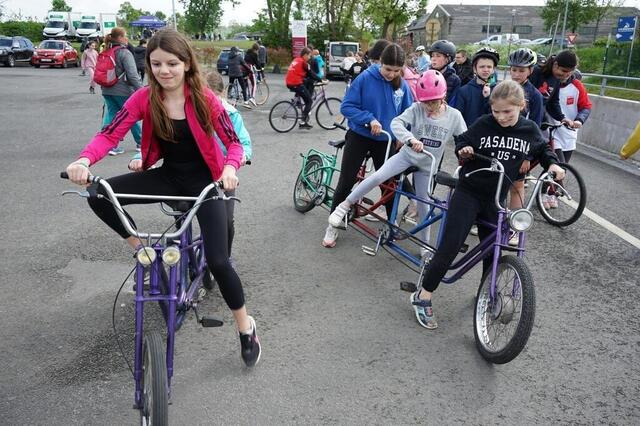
x=155, y=399
x=262, y=92
x=328, y=113
x=503, y=325
x=283, y=116
x=233, y=94
x=563, y=203
x=309, y=189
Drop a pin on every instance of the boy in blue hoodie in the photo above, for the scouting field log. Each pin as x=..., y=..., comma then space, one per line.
x=375, y=98
x=473, y=98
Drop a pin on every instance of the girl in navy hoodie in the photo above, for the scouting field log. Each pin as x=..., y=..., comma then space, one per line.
x=375, y=98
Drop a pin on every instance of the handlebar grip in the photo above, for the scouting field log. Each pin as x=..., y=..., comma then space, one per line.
x=64, y=175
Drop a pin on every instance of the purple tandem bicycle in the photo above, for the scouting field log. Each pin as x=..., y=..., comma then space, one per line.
x=170, y=269
x=505, y=302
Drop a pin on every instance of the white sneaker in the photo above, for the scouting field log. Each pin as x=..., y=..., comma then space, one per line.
x=330, y=237
x=253, y=101
x=247, y=105
x=337, y=217
x=474, y=230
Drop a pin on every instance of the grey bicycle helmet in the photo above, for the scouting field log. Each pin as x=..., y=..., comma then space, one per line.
x=523, y=57
x=487, y=53
x=445, y=47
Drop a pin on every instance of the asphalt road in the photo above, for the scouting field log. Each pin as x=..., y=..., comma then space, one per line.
x=340, y=341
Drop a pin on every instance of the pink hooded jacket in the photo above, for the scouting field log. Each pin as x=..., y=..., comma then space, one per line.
x=138, y=107
x=89, y=59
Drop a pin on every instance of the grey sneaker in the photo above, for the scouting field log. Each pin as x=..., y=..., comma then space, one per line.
x=424, y=311
x=116, y=151
x=250, y=348
x=330, y=237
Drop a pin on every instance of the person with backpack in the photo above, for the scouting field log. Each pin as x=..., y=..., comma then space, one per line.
x=117, y=75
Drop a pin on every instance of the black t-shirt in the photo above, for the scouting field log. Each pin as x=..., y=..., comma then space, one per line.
x=510, y=145
x=183, y=156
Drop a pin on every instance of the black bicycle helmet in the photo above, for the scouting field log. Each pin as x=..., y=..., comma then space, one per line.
x=488, y=53
x=445, y=47
x=523, y=57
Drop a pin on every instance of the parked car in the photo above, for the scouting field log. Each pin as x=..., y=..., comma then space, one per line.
x=240, y=37
x=15, y=49
x=523, y=41
x=546, y=41
x=223, y=60
x=505, y=38
x=55, y=53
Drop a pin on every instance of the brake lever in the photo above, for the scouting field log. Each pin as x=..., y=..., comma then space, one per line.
x=83, y=194
x=490, y=169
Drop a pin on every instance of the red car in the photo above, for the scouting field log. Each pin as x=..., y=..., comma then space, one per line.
x=55, y=53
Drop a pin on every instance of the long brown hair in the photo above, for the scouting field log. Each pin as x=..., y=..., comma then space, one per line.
x=175, y=43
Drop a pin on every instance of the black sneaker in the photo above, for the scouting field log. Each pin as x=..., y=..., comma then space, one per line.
x=250, y=346
x=305, y=125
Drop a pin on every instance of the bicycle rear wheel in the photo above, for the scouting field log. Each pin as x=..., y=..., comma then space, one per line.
x=155, y=386
x=502, y=327
x=283, y=116
x=262, y=92
x=234, y=94
x=328, y=113
x=309, y=189
x=570, y=202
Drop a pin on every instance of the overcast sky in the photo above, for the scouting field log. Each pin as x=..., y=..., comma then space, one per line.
x=243, y=13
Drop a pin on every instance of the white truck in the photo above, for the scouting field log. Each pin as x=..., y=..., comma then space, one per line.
x=336, y=52
x=89, y=26
x=59, y=25
x=505, y=38
x=107, y=23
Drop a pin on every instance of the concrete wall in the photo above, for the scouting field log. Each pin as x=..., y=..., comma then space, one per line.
x=610, y=123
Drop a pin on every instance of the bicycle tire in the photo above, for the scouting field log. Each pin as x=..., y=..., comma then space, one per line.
x=328, y=113
x=572, y=181
x=233, y=95
x=283, y=116
x=262, y=93
x=520, y=290
x=306, y=195
x=155, y=399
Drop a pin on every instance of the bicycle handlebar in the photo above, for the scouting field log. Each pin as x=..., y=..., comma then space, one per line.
x=113, y=197
x=432, y=172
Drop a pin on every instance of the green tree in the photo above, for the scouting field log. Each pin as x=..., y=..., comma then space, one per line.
x=127, y=13
x=60, y=5
x=278, y=15
x=580, y=12
x=160, y=15
x=391, y=15
x=604, y=9
x=203, y=16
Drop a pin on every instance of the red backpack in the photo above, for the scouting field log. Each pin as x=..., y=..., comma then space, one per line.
x=105, y=72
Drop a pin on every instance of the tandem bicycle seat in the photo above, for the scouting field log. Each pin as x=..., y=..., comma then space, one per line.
x=444, y=178
x=176, y=208
x=337, y=144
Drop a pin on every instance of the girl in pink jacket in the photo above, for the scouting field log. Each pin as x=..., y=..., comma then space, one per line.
x=180, y=116
x=89, y=59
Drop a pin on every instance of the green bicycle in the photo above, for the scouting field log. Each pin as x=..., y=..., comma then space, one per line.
x=313, y=185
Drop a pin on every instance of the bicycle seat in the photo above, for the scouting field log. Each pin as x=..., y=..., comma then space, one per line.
x=411, y=170
x=180, y=206
x=444, y=178
x=337, y=144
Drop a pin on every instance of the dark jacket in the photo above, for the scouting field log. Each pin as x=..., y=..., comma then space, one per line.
x=139, y=52
x=534, y=109
x=464, y=71
x=470, y=102
x=549, y=88
x=251, y=58
x=235, y=64
x=453, y=83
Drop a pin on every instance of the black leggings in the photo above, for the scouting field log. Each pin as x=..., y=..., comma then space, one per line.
x=243, y=85
x=306, y=97
x=464, y=209
x=212, y=217
x=563, y=156
x=355, y=151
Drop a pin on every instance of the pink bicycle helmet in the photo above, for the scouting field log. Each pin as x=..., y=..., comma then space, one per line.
x=431, y=86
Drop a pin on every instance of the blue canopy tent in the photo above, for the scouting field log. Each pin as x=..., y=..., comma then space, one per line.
x=148, y=22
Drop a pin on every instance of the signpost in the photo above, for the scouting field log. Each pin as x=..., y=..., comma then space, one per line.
x=627, y=32
x=298, y=37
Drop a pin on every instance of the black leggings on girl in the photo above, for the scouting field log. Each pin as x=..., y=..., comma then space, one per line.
x=355, y=151
x=464, y=209
x=212, y=217
x=563, y=156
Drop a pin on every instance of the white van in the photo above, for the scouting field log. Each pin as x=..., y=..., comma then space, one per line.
x=500, y=39
x=336, y=52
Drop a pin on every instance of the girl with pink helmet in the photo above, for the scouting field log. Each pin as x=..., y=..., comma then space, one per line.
x=433, y=124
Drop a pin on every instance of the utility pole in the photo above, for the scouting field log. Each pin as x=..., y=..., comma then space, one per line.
x=564, y=23
x=489, y=20
x=173, y=7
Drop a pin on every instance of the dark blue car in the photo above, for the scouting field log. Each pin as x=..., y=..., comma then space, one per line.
x=223, y=60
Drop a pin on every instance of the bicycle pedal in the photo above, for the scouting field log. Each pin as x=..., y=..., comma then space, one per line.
x=408, y=286
x=464, y=248
x=368, y=250
x=211, y=322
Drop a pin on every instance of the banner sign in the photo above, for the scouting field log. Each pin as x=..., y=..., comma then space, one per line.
x=298, y=37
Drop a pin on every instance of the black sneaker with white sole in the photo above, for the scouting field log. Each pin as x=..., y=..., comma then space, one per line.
x=305, y=125
x=250, y=348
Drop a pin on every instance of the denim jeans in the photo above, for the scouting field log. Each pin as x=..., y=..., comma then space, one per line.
x=113, y=105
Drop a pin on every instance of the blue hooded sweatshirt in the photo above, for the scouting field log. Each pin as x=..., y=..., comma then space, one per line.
x=371, y=97
x=470, y=102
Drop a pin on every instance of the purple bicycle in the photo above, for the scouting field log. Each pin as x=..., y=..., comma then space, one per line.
x=170, y=269
x=505, y=301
